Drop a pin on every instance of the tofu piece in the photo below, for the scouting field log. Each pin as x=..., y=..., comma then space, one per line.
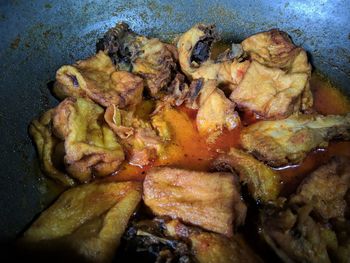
x=85, y=223
x=209, y=200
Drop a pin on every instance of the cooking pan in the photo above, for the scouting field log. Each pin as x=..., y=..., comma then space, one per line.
x=39, y=36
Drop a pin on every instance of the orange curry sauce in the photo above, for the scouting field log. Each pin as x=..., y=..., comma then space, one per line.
x=190, y=151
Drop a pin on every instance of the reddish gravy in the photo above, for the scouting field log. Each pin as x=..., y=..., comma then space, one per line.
x=190, y=151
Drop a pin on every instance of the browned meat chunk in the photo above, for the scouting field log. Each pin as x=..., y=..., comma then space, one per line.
x=85, y=223
x=325, y=189
x=209, y=200
x=288, y=141
x=215, y=112
x=97, y=79
x=296, y=237
x=194, y=47
x=150, y=58
x=263, y=182
x=91, y=148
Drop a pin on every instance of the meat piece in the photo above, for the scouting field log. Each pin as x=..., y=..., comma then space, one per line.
x=215, y=112
x=315, y=189
x=288, y=141
x=209, y=200
x=194, y=47
x=263, y=182
x=214, y=248
x=97, y=79
x=275, y=49
x=296, y=237
x=270, y=92
x=210, y=247
x=139, y=137
x=150, y=58
x=48, y=148
x=91, y=148
x=84, y=224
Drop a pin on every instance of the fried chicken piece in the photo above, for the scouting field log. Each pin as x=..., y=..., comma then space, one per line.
x=48, y=148
x=98, y=79
x=91, y=148
x=297, y=237
x=85, y=224
x=274, y=49
x=281, y=142
x=209, y=200
x=140, y=137
x=150, y=58
x=211, y=247
x=215, y=112
x=270, y=92
x=194, y=47
x=263, y=182
x=315, y=189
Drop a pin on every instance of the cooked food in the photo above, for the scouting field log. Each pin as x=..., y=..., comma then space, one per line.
x=171, y=241
x=158, y=140
x=139, y=137
x=315, y=189
x=209, y=200
x=194, y=47
x=150, y=58
x=296, y=234
x=279, y=92
x=91, y=148
x=49, y=146
x=215, y=111
x=263, y=182
x=85, y=223
x=282, y=142
x=98, y=79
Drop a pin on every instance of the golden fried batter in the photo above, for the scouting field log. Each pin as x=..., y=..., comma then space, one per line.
x=270, y=92
x=194, y=52
x=98, y=79
x=47, y=146
x=263, y=182
x=85, y=223
x=91, y=148
x=215, y=112
x=209, y=200
x=287, y=141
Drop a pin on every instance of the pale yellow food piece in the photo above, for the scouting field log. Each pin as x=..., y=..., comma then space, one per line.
x=46, y=144
x=86, y=221
x=209, y=200
x=286, y=141
x=263, y=183
x=227, y=72
x=215, y=112
x=91, y=147
x=270, y=92
x=98, y=79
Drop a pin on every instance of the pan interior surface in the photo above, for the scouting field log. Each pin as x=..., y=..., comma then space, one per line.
x=40, y=36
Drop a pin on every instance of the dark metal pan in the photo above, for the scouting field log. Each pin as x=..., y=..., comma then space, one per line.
x=40, y=35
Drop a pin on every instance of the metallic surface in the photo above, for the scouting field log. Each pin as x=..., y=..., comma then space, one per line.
x=39, y=36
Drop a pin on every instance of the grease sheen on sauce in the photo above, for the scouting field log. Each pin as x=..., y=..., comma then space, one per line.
x=189, y=150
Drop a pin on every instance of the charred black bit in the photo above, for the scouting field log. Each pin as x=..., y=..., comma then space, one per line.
x=74, y=81
x=117, y=43
x=145, y=241
x=195, y=88
x=202, y=49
